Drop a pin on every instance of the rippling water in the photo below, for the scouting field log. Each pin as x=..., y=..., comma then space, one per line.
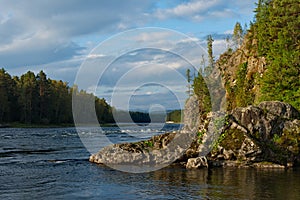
x=53, y=164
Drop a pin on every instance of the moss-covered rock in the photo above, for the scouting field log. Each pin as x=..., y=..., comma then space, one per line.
x=269, y=132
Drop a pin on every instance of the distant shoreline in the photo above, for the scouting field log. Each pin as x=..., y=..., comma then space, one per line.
x=64, y=125
x=23, y=125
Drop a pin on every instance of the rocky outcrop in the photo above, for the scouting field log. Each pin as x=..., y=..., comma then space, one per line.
x=241, y=70
x=263, y=136
x=159, y=151
x=269, y=132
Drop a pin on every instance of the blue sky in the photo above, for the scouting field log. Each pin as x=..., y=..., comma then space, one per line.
x=58, y=35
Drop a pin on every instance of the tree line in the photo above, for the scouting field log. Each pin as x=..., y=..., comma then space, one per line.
x=36, y=99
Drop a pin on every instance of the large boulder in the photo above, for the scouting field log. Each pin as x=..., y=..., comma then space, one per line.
x=269, y=132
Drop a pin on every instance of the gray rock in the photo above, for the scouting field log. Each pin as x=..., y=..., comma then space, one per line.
x=283, y=110
x=267, y=132
x=195, y=163
x=158, y=151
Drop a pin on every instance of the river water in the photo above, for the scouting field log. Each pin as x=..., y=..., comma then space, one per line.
x=52, y=163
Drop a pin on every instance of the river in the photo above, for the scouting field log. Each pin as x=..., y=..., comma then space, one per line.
x=52, y=163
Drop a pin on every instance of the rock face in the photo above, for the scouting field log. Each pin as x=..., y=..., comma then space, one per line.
x=241, y=70
x=269, y=132
x=263, y=136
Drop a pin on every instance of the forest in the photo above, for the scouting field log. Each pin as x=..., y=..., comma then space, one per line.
x=36, y=99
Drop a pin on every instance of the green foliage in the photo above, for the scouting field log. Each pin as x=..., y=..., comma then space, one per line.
x=241, y=94
x=149, y=143
x=175, y=116
x=289, y=140
x=201, y=90
x=238, y=35
x=134, y=116
x=34, y=99
x=200, y=135
x=188, y=76
x=242, y=90
x=8, y=98
x=275, y=36
x=217, y=142
x=277, y=25
x=230, y=139
x=276, y=138
x=211, y=61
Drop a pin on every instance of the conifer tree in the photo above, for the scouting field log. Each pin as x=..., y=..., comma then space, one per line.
x=211, y=61
x=238, y=35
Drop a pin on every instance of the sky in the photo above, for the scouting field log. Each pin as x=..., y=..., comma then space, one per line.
x=148, y=44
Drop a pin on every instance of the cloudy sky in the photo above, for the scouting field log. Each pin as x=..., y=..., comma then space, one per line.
x=67, y=37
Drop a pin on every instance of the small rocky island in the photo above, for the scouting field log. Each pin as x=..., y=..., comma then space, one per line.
x=263, y=136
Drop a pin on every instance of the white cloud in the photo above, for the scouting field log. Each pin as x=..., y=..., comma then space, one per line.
x=188, y=9
x=200, y=10
x=47, y=29
x=152, y=36
x=40, y=32
x=95, y=56
x=226, y=13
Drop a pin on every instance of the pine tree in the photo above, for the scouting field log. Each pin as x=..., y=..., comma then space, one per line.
x=28, y=97
x=188, y=76
x=7, y=97
x=211, y=61
x=238, y=35
x=201, y=90
x=44, y=93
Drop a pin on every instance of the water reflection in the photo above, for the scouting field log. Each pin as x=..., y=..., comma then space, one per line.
x=231, y=183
